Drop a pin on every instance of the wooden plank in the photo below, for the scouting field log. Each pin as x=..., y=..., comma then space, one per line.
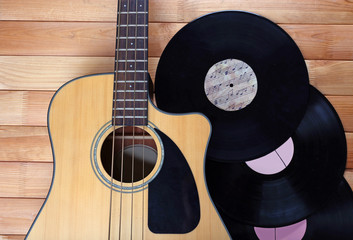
x=25, y=180
x=17, y=215
x=321, y=42
x=348, y=175
x=349, y=137
x=331, y=77
x=344, y=107
x=24, y=107
x=12, y=237
x=24, y=144
x=290, y=11
x=50, y=72
x=57, y=38
x=30, y=108
x=47, y=72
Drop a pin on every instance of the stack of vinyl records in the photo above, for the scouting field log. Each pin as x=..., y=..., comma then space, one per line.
x=277, y=152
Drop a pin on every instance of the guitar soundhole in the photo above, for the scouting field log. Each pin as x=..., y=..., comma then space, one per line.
x=135, y=152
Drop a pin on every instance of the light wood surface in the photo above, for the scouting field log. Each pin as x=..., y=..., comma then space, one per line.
x=320, y=42
x=44, y=44
x=289, y=11
x=331, y=77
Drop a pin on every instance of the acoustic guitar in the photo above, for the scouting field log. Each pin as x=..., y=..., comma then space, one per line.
x=122, y=168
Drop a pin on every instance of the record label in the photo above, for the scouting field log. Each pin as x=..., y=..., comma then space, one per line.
x=230, y=85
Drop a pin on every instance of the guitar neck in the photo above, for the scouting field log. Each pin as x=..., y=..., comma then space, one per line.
x=131, y=64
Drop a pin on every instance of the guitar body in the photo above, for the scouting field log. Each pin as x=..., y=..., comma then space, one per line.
x=78, y=204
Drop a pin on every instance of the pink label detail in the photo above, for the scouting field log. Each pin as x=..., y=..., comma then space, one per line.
x=275, y=161
x=292, y=232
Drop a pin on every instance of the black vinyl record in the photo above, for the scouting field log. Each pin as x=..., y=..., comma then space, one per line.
x=286, y=197
x=333, y=221
x=282, y=81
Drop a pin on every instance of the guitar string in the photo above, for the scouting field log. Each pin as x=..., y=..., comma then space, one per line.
x=133, y=126
x=124, y=108
x=145, y=105
x=114, y=119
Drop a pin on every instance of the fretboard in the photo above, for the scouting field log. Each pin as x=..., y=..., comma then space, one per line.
x=131, y=78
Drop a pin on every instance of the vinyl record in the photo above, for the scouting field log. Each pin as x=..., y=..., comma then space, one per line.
x=333, y=221
x=286, y=197
x=245, y=58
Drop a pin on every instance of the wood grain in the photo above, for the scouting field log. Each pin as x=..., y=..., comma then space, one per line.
x=322, y=42
x=290, y=11
x=17, y=215
x=331, y=77
x=344, y=107
x=12, y=237
x=24, y=107
x=24, y=144
x=25, y=180
x=57, y=38
x=50, y=72
x=349, y=138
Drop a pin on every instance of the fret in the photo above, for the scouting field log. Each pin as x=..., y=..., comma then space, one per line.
x=132, y=25
x=130, y=91
x=141, y=113
x=127, y=108
x=129, y=117
x=131, y=49
x=128, y=60
x=130, y=104
x=131, y=37
x=130, y=76
x=134, y=12
x=132, y=71
x=132, y=55
x=133, y=19
x=130, y=100
x=132, y=43
x=130, y=95
x=129, y=81
x=120, y=85
x=131, y=31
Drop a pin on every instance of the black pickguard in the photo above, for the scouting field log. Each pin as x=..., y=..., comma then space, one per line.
x=173, y=201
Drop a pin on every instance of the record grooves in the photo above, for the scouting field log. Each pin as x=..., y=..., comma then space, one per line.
x=281, y=76
x=332, y=221
x=300, y=189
